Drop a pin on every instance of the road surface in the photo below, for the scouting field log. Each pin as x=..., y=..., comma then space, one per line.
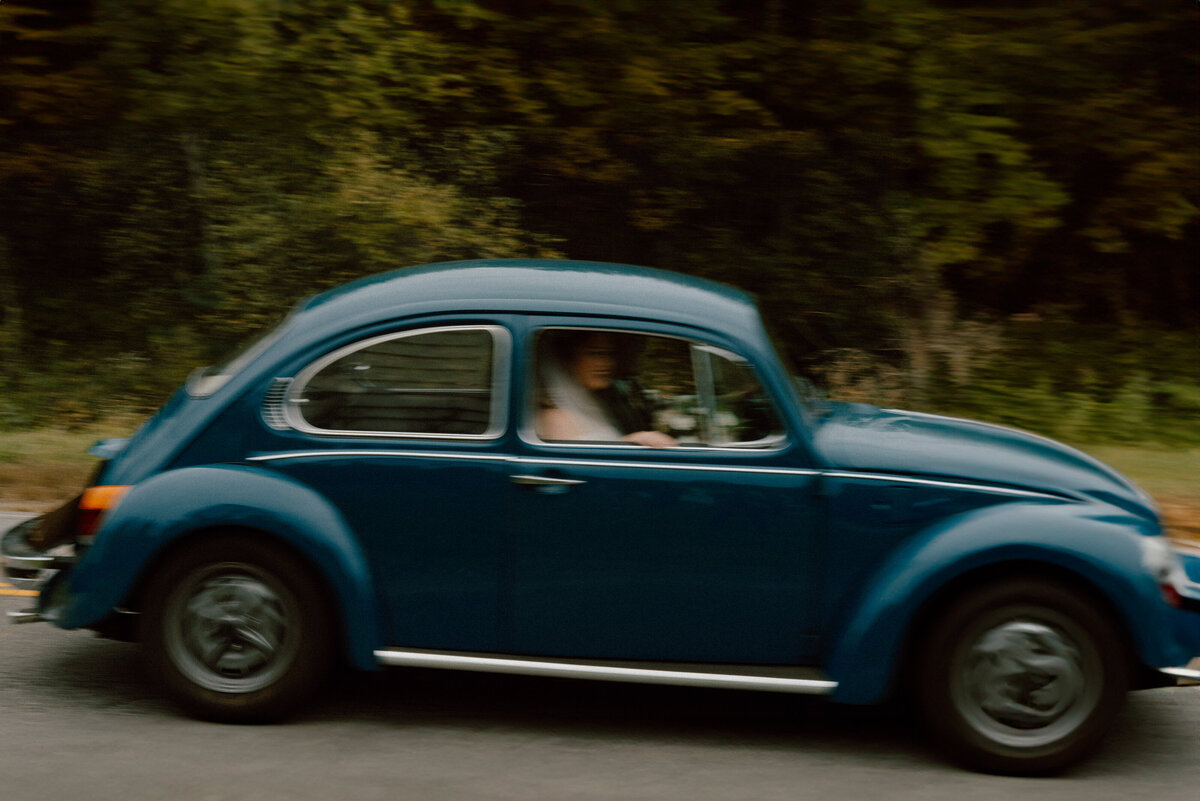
x=78, y=719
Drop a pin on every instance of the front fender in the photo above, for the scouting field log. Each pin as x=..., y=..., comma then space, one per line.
x=160, y=510
x=1100, y=545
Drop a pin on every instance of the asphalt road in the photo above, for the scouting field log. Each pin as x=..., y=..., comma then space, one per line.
x=78, y=719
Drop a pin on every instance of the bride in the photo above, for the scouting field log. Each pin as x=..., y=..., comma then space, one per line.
x=584, y=398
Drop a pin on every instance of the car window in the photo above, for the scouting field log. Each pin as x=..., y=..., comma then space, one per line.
x=738, y=411
x=432, y=382
x=594, y=385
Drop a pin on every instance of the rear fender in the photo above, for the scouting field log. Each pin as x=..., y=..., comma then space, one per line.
x=169, y=506
x=1100, y=548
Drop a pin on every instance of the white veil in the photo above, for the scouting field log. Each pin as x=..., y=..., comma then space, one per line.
x=591, y=420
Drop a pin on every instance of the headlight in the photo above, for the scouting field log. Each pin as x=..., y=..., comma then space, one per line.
x=1165, y=564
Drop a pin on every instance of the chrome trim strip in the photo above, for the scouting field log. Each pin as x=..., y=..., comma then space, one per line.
x=39, y=561
x=320, y=432
x=657, y=465
x=275, y=457
x=535, y=461
x=935, y=482
x=529, y=437
x=732, y=468
x=1186, y=674
x=533, y=667
x=25, y=616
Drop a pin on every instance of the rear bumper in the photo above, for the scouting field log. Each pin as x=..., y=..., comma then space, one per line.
x=32, y=572
x=27, y=568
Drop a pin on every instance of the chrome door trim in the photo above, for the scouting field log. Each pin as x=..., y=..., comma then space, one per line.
x=525, y=666
x=539, y=461
x=527, y=460
x=705, y=468
x=937, y=482
x=339, y=453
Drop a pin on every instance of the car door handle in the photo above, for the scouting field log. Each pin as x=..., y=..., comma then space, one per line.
x=545, y=481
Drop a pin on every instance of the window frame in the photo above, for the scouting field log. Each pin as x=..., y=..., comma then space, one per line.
x=500, y=383
x=527, y=430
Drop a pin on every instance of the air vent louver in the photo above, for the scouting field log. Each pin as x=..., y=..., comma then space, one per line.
x=274, y=403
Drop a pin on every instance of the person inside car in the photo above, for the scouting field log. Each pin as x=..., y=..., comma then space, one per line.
x=587, y=393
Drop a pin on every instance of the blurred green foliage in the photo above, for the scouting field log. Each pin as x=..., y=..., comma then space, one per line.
x=987, y=208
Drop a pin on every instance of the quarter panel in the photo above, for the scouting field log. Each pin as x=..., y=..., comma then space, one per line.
x=170, y=505
x=432, y=522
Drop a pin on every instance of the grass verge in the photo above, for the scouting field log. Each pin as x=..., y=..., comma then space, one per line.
x=44, y=467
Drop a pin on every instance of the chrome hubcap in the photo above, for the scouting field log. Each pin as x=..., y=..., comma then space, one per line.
x=230, y=628
x=1024, y=683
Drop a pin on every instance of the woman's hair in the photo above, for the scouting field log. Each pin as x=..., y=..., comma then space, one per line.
x=562, y=345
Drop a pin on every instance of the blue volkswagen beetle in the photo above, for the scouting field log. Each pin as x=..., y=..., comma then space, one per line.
x=600, y=471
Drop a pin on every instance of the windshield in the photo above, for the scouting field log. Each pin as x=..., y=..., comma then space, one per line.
x=207, y=380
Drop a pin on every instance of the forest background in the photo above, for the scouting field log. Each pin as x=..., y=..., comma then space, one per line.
x=982, y=208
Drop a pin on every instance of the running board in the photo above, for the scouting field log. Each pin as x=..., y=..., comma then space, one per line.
x=1183, y=675
x=808, y=681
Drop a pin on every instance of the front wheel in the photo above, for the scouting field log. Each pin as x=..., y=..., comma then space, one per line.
x=1022, y=676
x=237, y=630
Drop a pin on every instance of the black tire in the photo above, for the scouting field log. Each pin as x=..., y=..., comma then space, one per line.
x=1022, y=676
x=237, y=630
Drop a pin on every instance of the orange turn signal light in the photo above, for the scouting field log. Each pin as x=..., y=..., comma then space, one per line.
x=94, y=502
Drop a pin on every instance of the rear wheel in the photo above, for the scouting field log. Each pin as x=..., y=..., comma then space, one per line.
x=237, y=630
x=1022, y=676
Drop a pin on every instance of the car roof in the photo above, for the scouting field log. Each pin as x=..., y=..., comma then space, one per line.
x=546, y=286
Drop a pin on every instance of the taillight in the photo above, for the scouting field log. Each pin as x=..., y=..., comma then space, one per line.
x=94, y=502
x=1171, y=595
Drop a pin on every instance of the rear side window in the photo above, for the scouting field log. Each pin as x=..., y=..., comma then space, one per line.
x=442, y=382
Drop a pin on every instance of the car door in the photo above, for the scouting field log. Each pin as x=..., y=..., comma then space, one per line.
x=700, y=550
x=403, y=432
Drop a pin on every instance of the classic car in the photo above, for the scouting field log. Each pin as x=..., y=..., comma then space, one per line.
x=606, y=472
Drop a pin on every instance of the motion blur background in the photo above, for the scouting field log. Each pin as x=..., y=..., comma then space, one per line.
x=981, y=208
